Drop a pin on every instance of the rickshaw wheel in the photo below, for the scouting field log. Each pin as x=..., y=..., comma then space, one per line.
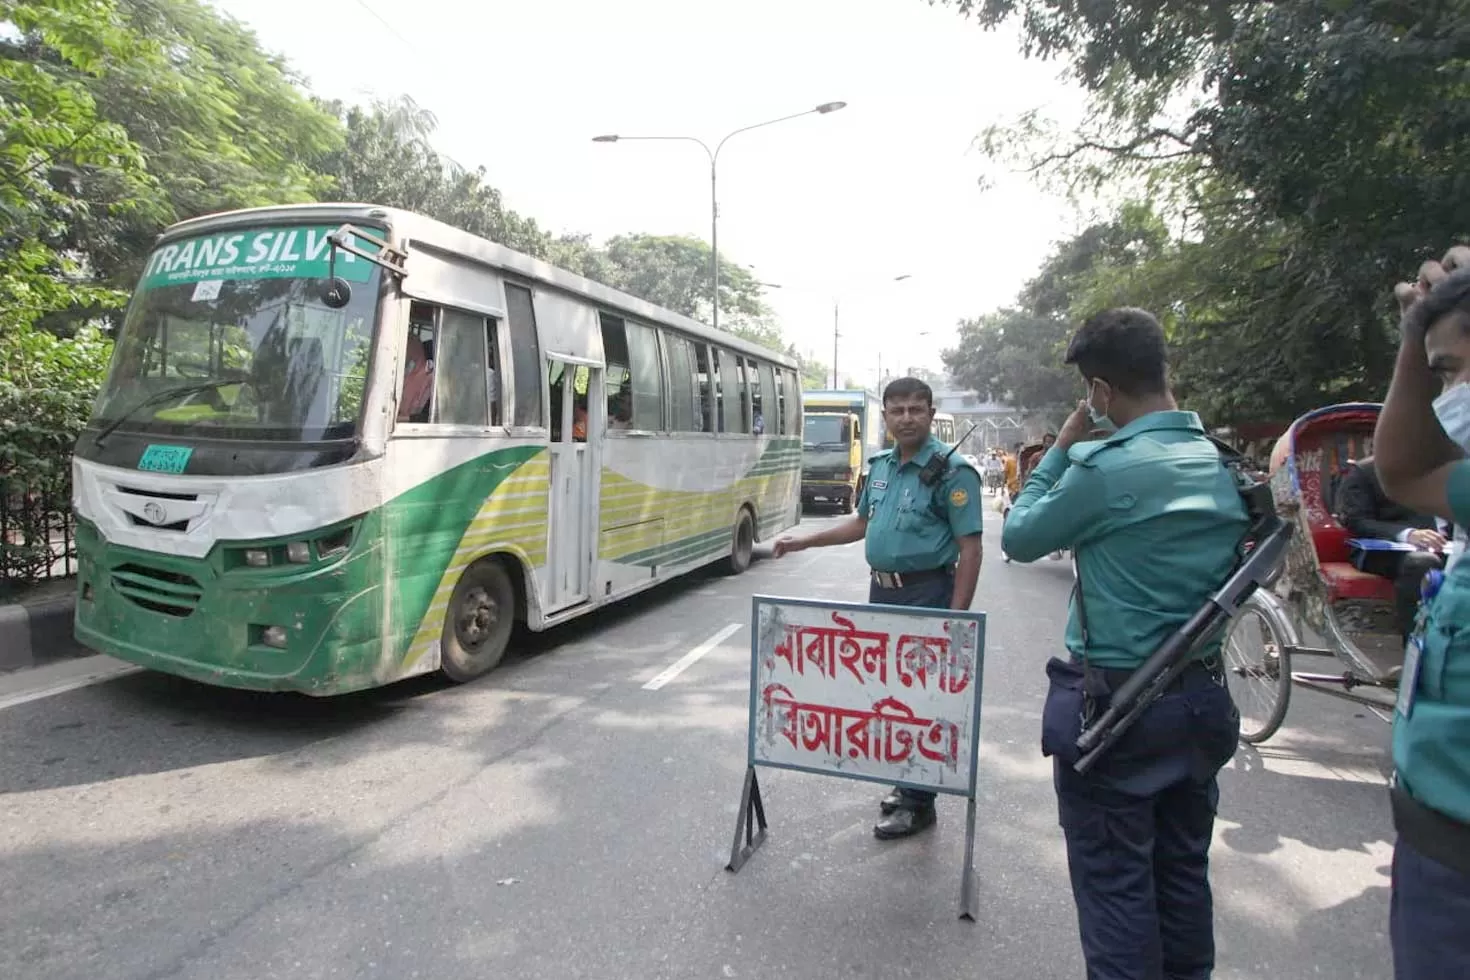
x=1258, y=671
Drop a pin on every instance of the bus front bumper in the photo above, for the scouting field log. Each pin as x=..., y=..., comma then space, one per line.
x=189, y=617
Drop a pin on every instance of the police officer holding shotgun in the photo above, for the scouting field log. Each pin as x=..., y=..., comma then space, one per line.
x=920, y=515
x=1155, y=522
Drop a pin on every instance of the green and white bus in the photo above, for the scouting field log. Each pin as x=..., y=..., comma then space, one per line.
x=340, y=445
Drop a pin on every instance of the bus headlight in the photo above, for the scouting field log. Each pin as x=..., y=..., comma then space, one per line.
x=274, y=636
x=298, y=552
x=257, y=557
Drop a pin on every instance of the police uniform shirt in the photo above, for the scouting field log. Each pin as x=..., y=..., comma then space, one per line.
x=1155, y=521
x=1431, y=733
x=911, y=527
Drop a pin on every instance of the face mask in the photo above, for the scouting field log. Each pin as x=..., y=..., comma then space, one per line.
x=1099, y=419
x=1453, y=410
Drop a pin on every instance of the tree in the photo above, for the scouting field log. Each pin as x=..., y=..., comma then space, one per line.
x=673, y=271
x=1016, y=354
x=387, y=158
x=61, y=159
x=1313, y=149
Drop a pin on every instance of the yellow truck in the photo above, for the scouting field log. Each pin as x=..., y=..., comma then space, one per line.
x=840, y=431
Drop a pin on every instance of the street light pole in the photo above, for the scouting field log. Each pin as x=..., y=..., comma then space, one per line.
x=714, y=198
x=835, y=335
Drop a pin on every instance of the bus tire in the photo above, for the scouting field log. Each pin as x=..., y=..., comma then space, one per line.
x=478, y=622
x=848, y=503
x=743, y=545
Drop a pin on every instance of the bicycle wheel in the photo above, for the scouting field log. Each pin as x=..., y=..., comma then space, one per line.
x=1258, y=671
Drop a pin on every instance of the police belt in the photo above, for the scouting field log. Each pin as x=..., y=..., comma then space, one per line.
x=1114, y=677
x=897, y=580
x=1435, y=835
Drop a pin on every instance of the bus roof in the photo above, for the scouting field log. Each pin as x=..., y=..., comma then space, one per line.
x=417, y=228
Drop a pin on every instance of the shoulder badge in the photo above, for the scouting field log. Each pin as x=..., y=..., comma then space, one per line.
x=958, y=498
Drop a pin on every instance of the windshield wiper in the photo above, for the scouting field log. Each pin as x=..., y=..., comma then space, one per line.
x=178, y=391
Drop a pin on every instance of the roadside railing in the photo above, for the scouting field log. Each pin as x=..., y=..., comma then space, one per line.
x=37, y=540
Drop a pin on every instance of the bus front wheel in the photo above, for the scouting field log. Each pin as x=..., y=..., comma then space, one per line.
x=478, y=623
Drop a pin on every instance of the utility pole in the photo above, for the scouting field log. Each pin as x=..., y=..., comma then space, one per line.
x=835, y=335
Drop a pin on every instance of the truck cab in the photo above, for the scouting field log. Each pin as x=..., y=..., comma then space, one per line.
x=831, y=458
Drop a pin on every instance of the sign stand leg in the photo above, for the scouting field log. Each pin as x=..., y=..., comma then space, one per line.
x=967, y=877
x=750, y=824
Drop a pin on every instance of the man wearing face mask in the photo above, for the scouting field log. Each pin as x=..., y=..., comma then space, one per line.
x=1452, y=408
x=1423, y=468
x=1155, y=522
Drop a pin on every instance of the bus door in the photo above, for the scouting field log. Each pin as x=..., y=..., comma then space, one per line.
x=579, y=418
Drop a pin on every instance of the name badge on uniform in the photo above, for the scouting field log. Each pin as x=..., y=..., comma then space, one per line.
x=880, y=484
x=1409, y=677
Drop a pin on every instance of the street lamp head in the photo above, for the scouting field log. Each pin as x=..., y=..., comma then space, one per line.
x=609, y=138
x=827, y=107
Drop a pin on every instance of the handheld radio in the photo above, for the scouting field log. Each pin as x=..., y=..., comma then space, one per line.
x=939, y=465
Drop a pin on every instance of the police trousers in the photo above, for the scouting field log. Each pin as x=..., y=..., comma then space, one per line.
x=934, y=593
x=1428, y=914
x=1138, y=826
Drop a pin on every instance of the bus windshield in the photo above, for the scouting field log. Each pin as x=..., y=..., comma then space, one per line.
x=251, y=358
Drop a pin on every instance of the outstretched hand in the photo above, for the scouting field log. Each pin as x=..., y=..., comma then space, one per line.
x=787, y=544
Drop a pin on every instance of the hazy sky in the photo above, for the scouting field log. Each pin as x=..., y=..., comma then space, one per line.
x=828, y=206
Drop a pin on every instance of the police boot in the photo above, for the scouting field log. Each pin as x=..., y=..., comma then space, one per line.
x=905, y=821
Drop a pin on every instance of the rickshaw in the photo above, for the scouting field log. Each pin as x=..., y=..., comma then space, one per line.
x=1024, y=459
x=1320, y=604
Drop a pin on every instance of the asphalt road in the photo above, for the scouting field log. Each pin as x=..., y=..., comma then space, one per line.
x=556, y=820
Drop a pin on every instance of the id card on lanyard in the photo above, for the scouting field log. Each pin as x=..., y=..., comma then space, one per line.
x=1409, y=678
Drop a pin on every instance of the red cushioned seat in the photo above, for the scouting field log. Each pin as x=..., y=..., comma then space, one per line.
x=1344, y=581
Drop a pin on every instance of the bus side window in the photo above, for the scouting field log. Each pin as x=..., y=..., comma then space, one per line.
x=461, y=388
x=494, y=371
x=764, y=385
x=706, y=386
x=646, y=386
x=684, y=415
x=794, y=406
x=745, y=374
x=781, y=403
x=418, y=365
x=727, y=395
x=618, y=374
x=525, y=357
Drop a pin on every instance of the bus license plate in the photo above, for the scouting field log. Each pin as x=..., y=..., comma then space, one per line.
x=165, y=459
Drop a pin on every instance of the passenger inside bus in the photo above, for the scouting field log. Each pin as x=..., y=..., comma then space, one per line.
x=418, y=380
x=620, y=411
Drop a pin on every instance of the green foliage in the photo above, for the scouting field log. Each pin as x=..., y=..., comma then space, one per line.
x=1313, y=150
x=386, y=158
x=46, y=389
x=61, y=159
x=1015, y=355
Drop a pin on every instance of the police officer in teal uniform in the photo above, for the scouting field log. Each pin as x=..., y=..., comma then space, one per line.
x=1155, y=522
x=1424, y=469
x=923, y=543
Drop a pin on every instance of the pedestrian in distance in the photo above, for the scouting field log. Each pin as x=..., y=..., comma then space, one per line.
x=1155, y=522
x=922, y=542
x=1423, y=467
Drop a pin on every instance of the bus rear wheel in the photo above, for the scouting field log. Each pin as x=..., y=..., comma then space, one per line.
x=477, y=625
x=744, y=545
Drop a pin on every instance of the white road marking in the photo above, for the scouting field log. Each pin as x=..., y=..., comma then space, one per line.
x=683, y=663
x=25, y=686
